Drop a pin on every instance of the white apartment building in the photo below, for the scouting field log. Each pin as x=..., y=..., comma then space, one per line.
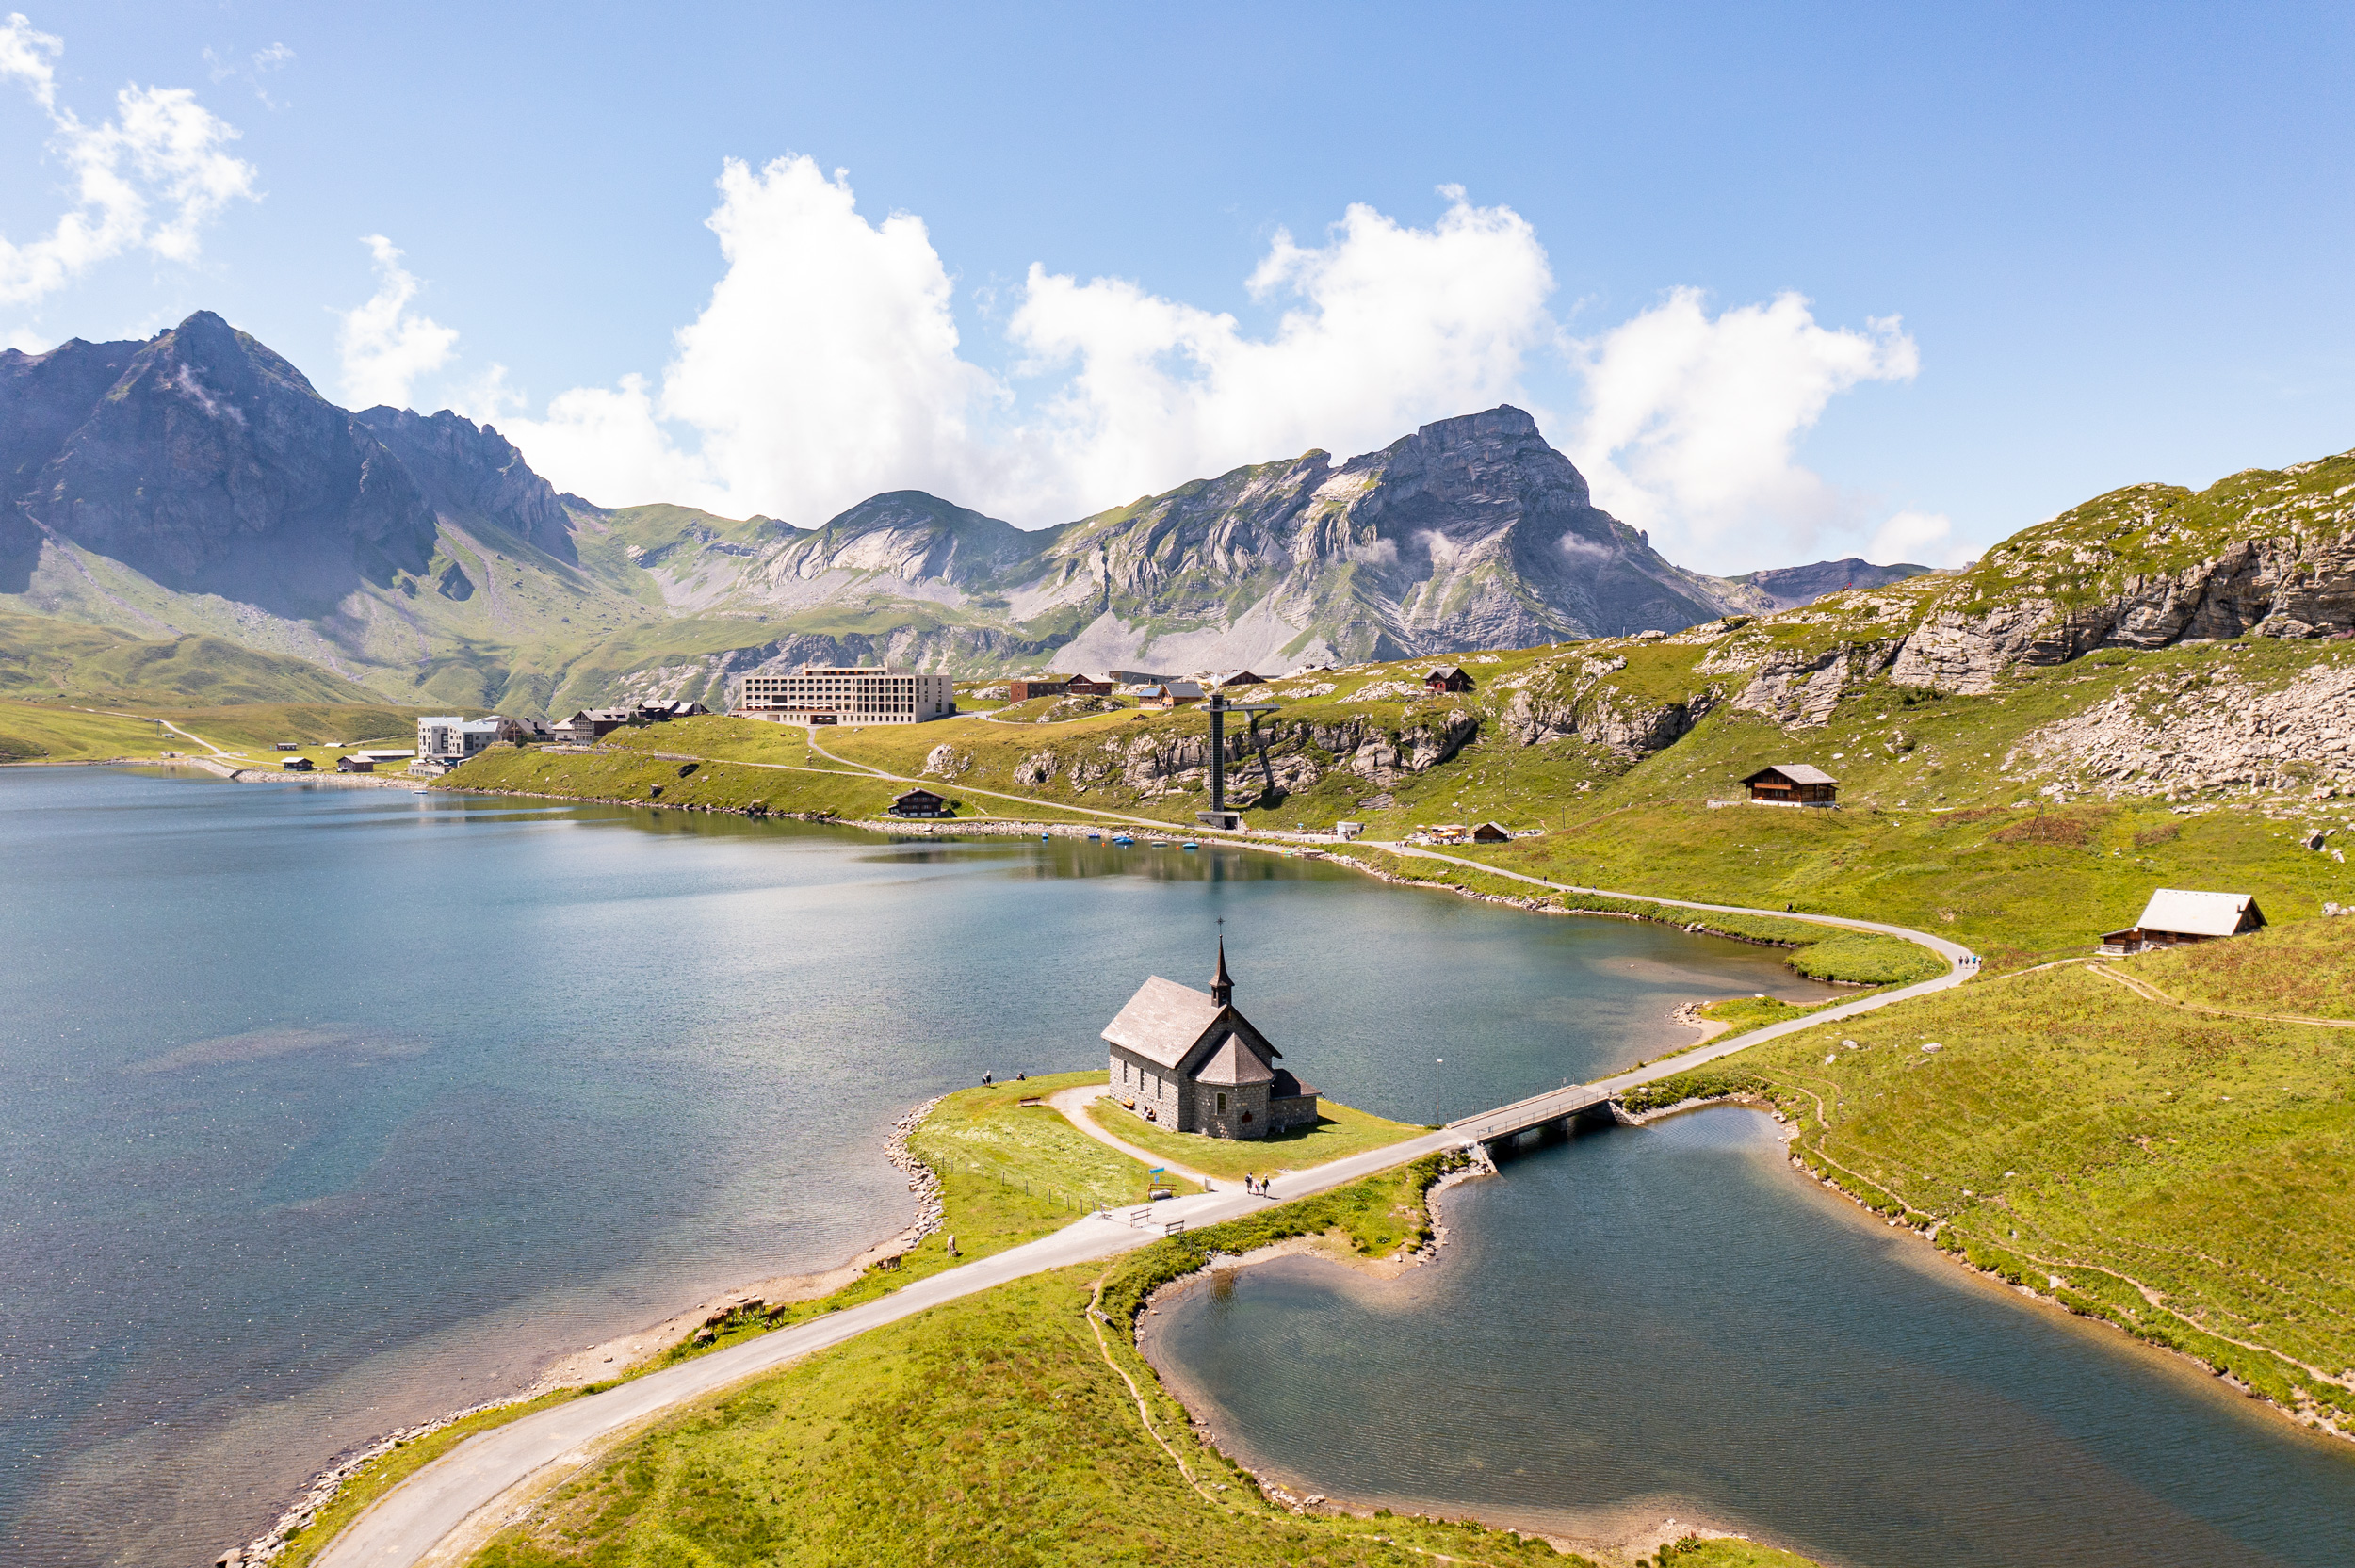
x=452, y=740
x=847, y=694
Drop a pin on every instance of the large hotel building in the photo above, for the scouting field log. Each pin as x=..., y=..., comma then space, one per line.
x=856, y=694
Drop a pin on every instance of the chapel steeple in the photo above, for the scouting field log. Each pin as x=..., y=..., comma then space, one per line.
x=1222, y=989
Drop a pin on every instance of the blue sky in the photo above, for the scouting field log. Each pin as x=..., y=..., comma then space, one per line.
x=2112, y=242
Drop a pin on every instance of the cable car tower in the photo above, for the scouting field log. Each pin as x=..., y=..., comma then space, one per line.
x=1218, y=815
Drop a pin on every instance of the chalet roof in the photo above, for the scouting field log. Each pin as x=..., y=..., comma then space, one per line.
x=1162, y=1022
x=1797, y=772
x=2174, y=909
x=1237, y=677
x=1181, y=688
x=1446, y=672
x=1234, y=1063
x=917, y=794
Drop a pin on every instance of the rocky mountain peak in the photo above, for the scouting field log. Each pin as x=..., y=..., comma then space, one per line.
x=473, y=476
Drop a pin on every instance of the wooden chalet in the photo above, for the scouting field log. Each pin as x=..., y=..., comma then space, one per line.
x=1794, y=784
x=919, y=802
x=2176, y=915
x=1171, y=694
x=1450, y=679
x=1028, y=686
x=1080, y=686
x=1491, y=833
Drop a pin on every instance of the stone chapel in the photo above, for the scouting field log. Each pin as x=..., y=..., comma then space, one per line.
x=1194, y=1063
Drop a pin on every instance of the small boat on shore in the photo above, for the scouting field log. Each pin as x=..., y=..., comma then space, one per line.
x=1123, y=839
x=1192, y=845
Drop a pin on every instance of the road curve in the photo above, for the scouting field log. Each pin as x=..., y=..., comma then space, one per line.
x=407, y=1523
x=403, y=1526
x=1954, y=953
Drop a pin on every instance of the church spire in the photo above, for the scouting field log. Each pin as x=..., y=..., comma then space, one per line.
x=1222, y=989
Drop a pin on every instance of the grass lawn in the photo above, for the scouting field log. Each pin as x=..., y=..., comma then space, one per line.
x=1338, y=1131
x=654, y=780
x=2097, y=1147
x=989, y=1136
x=1755, y=1012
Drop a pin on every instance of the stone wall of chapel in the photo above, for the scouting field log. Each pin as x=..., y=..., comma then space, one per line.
x=1155, y=1089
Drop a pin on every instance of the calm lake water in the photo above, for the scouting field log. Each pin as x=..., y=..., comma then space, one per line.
x=325, y=1111
x=1670, y=1322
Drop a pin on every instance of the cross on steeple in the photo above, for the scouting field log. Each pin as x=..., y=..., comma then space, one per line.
x=1222, y=989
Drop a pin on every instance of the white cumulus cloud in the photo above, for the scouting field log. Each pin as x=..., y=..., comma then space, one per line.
x=826, y=366
x=385, y=346
x=1386, y=327
x=151, y=177
x=1692, y=421
x=823, y=368
x=1923, y=538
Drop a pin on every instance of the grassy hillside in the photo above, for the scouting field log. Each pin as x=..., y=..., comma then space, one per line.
x=36, y=731
x=1947, y=822
x=630, y=779
x=2182, y=1174
x=45, y=658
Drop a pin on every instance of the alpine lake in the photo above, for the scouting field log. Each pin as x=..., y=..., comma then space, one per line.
x=328, y=1111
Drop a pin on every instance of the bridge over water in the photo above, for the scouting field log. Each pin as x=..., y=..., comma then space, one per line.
x=1555, y=1108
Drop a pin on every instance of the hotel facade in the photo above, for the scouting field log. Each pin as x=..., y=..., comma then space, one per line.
x=846, y=694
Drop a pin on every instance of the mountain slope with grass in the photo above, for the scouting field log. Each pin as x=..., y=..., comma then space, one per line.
x=42, y=659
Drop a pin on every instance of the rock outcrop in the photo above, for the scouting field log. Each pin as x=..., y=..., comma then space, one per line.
x=471, y=475
x=2192, y=735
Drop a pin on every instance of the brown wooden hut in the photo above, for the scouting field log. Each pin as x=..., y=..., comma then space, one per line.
x=1794, y=784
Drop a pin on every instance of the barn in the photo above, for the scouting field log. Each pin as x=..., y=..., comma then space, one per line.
x=1792, y=784
x=2176, y=915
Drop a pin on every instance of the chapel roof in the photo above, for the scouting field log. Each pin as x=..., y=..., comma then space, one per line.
x=1164, y=1020
x=1234, y=1064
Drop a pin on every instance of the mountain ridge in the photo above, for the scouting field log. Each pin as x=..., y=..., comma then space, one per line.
x=196, y=483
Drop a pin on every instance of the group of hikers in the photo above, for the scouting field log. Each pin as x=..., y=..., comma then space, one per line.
x=1256, y=1186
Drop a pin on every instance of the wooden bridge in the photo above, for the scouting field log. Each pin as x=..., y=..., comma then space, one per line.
x=1557, y=1106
